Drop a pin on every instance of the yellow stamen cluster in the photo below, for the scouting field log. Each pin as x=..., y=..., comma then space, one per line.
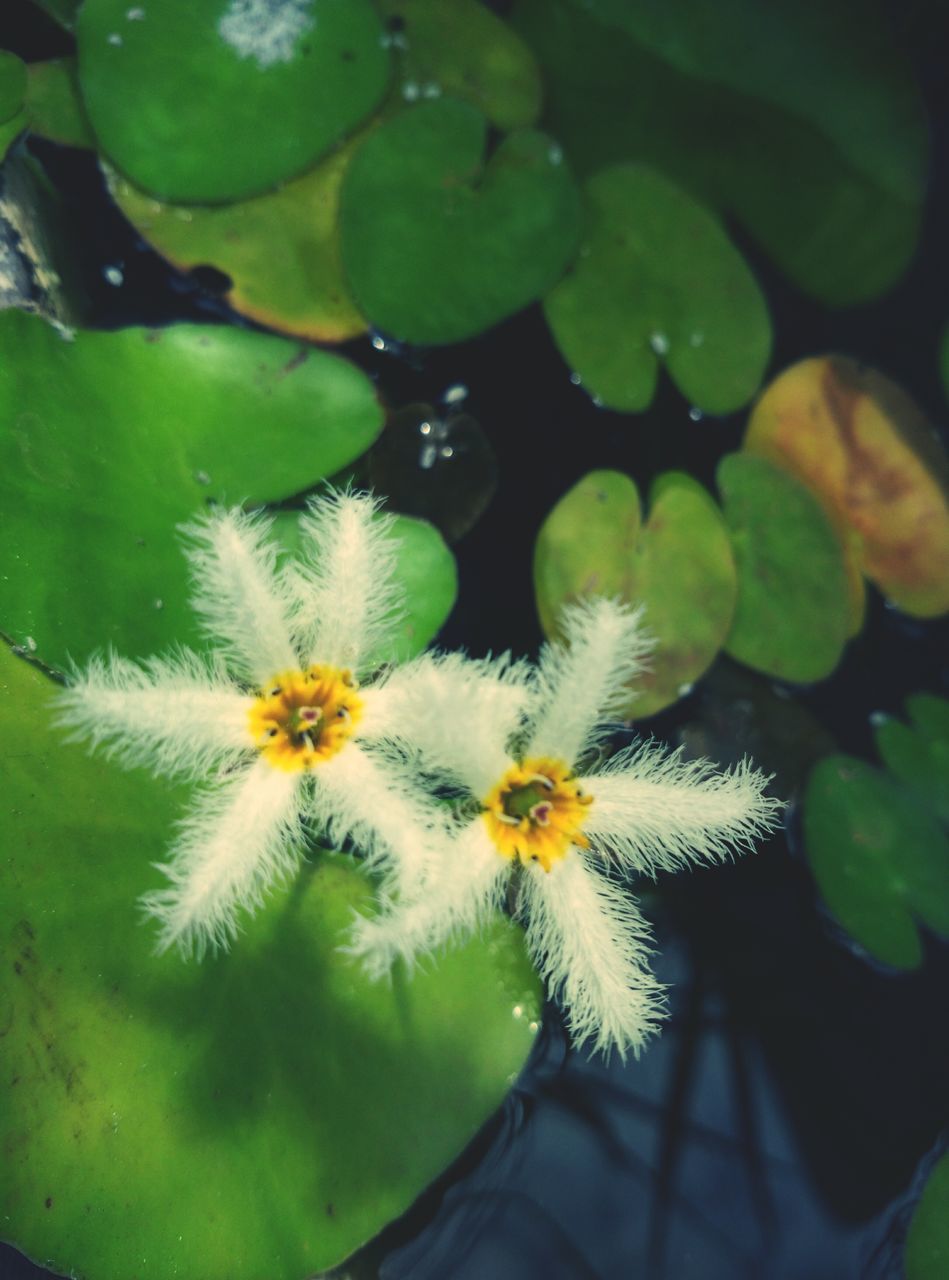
x=536, y=811
x=304, y=717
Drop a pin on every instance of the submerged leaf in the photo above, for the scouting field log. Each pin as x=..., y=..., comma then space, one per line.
x=864, y=447
x=658, y=278
x=297, y=1106
x=678, y=564
x=438, y=243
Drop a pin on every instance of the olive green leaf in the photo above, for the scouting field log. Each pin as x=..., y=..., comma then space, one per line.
x=678, y=564
x=658, y=279
x=109, y=440
x=881, y=860
x=438, y=243
x=792, y=614
x=294, y=1106
x=211, y=100
x=54, y=103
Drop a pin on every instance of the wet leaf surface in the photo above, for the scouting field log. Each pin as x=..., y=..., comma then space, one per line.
x=832, y=198
x=658, y=281
x=678, y=564
x=792, y=614
x=881, y=860
x=440, y=243
x=166, y=84
x=297, y=1106
x=864, y=447
x=112, y=439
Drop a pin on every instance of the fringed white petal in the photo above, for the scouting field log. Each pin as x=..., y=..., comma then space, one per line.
x=241, y=836
x=377, y=803
x=466, y=891
x=591, y=945
x=242, y=600
x=654, y=811
x=584, y=682
x=179, y=715
x=348, y=603
x=459, y=715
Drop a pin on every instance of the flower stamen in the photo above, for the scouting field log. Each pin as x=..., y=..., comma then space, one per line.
x=305, y=717
x=536, y=811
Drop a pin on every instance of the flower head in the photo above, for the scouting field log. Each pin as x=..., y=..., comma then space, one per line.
x=275, y=722
x=563, y=830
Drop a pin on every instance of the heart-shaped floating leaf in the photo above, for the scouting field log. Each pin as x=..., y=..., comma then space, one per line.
x=54, y=103
x=881, y=860
x=108, y=441
x=918, y=753
x=439, y=244
x=827, y=170
x=465, y=51
x=657, y=277
x=295, y=1106
x=927, y=1243
x=792, y=615
x=678, y=564
x=208, y=100
x=865, y=448
x=426, y=571
x=281, y=250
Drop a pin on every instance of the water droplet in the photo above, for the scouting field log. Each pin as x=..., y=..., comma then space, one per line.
x=696, y=414
x=30, y=643
x=427, y=456
x=202, y=477
x=447, y=451
x=425, y=428
x=685, y=689
x=659, y=342
x=878, y=718
x=114, y=38
x=555, y=154
x=410, y=90
x=432, y=90
x=113, y=275
x=597, y=402
x=135, y=15
x=158, y=604
x=455, y=394
x=183, y=215
x=533, y=1028
x=394, y=40
x=518, y=1011
x=378, y=343
x=575, y=379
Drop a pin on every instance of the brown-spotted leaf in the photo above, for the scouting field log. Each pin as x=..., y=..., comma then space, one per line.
x=866, y=450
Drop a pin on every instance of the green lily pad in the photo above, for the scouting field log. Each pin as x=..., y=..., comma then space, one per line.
x=210, y=100
x=792, y=616
x=918, y=753
x=110, y=440
x=426, y=570
x=658, y=278
x=280, y=250
x=927, y=1244
x=55, y=105
x=465, y=51
x=678, y=564
x=12, y=85
x=880, y=859
x=438, y=243
x=827, y=171
x=295, y=1106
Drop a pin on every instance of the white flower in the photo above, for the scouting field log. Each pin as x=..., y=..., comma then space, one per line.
x=274, y=721
x=564, y=837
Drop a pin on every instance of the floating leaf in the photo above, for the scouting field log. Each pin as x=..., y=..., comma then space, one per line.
x=440, y=244
x=296, y=1106
x=863, y=446
x=678, y=564
x=792, y=614
x=280, y=250
x=881, y=860
x=426, y=571
x=918, y=753
x=827, y=171
x=55, y=105
x=658, y=277
x=208, y=100
x=927, y=1244
x=465, y=51
x=107, y=442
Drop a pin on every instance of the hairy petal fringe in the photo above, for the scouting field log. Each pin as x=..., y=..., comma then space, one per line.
x=242, y=600
x=583, y=683
x=591, y=945
x=178, y=715
x=653, y=811
x=242, y=835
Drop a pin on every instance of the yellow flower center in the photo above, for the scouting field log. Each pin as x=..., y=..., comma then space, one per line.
x=536, y=811
x=304, y=717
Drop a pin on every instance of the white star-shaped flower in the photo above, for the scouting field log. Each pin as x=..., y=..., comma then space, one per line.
x=514, y=741
x=275, y=720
